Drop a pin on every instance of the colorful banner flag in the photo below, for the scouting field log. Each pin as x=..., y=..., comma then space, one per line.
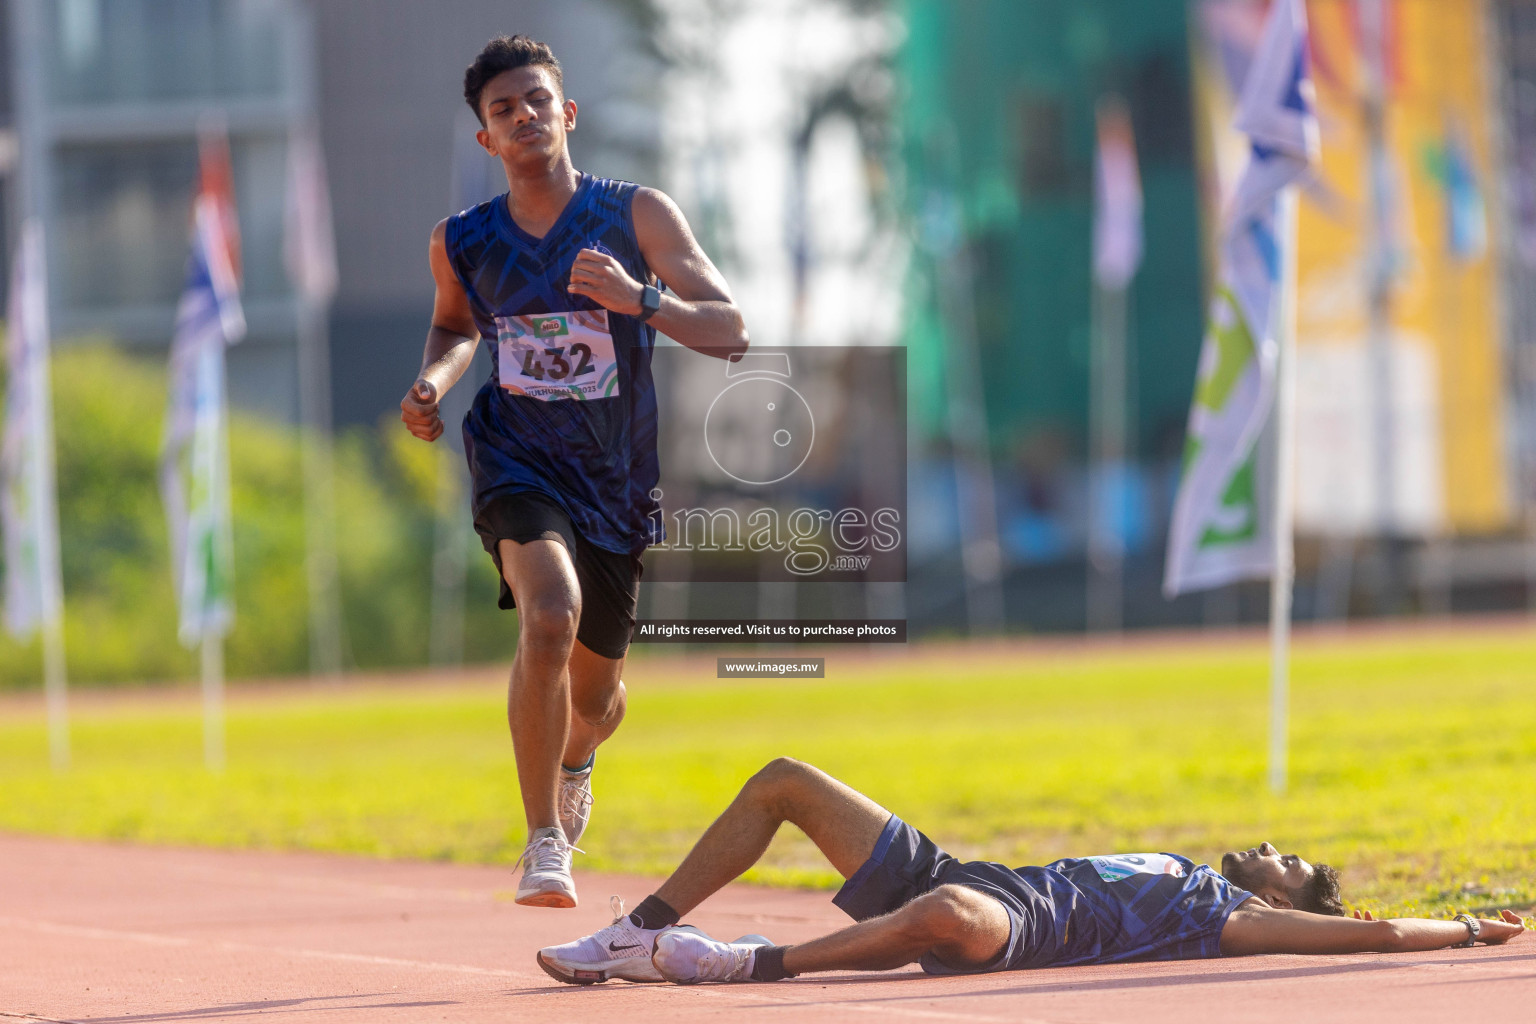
x=34, y=593
x=1220, y=532
x=1117, y=213
x=194, y=468
x=216, y=180
x=1466, y=215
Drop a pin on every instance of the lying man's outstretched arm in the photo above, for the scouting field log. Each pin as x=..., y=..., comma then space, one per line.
x=1256, y=927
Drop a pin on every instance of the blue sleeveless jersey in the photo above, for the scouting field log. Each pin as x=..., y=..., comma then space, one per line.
x=570, y=408
x=1151, y=906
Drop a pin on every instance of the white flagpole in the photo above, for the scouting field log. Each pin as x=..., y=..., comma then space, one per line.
x=450, y=552
x=1282, y=581
x=45, y=513
x=310, y=253
x=1118, y=247
x=56, y=686
x=213, y=700
x=34, y=587
x=45, y=510
x=1108, y=430
x=318, y=457
x=476, y=178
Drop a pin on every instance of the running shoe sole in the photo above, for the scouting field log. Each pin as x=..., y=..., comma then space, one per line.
x=591, y=974
x=547, y=898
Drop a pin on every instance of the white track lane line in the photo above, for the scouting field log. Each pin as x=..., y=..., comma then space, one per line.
x=731, y=992
x=153, y=939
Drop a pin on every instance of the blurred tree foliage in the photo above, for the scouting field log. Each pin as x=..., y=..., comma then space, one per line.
x=120, y=605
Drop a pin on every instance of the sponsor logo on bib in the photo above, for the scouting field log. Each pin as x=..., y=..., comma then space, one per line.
x=550, y=326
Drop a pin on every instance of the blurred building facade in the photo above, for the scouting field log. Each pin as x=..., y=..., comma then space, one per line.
x=100, y=106
x=107, y=101
x=1516, y=37
x=998, y=135
x=979, y=143
x=997, y=129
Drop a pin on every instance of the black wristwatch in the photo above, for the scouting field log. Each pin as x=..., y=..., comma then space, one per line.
x=650, y=302
x=1474, y=929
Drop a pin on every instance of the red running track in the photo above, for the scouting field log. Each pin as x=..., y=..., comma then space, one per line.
x=113, y=934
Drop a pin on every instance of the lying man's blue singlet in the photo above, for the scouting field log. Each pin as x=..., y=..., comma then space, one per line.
x=580, y=426
x=1150, y=906
x=1082, y=910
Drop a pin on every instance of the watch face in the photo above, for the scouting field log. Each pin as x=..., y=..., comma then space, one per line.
x=759, y=430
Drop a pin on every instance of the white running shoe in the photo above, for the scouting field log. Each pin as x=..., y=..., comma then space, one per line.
x=575, y=806
x=546, y=862
x=620, y=950
x=687, y=956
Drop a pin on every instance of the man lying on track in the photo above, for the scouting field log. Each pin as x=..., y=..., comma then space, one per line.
x=915, y=903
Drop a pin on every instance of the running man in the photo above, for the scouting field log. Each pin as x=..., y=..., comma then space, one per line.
x=915, y=903
x=567, y=277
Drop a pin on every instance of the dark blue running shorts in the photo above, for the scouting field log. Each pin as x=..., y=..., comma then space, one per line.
x=609, y=581
x=906, y=864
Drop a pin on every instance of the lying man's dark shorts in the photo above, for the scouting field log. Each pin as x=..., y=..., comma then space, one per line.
x=905, y=865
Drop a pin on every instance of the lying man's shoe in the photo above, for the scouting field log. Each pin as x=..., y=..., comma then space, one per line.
x=687, y=956
x=621, y=950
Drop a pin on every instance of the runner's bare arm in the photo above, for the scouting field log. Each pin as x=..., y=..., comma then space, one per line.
x=450, y=347
x=696, y=310
x=1256, y=927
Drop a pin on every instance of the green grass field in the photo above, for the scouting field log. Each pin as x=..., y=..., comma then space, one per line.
x=1413, y=761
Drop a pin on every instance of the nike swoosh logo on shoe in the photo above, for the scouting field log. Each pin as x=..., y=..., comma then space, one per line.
x=615, y=949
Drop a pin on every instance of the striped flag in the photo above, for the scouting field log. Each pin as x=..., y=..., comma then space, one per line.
x=1220, y=530
x=34, y=594
x=194, y=467
x=1117, y=221
x=216, y=180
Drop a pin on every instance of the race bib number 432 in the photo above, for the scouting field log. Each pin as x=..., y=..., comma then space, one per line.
x=1124, y=865
x=557, y=356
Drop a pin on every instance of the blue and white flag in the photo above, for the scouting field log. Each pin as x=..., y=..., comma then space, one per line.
x=194, y=466
x=1220, y=532
x=34, y=593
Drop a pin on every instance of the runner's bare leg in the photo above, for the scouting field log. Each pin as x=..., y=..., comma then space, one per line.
x=963, y=927
x=598, y=702
x=543, y=582
x=842, y=822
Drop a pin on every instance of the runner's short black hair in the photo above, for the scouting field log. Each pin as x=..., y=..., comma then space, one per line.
x=503, y=54
x=1320, y=893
